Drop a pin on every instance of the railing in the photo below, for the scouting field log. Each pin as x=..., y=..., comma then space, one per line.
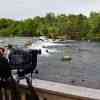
x=46, y=90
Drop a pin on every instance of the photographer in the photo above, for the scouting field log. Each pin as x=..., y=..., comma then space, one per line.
x=5, y=71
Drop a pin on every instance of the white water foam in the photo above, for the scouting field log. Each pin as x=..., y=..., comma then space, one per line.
x=43, y=45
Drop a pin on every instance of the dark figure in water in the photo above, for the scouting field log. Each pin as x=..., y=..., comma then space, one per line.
x=5, y=71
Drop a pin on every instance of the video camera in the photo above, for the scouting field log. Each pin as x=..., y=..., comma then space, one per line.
x=24, y=61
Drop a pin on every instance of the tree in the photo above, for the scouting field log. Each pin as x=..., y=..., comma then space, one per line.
x=94, y=22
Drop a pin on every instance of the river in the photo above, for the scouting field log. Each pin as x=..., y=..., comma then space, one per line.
x=82, y=70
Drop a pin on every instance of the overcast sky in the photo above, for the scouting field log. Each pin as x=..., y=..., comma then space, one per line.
x=19, y=9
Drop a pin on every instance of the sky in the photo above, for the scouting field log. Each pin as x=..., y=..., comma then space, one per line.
x=21, y=9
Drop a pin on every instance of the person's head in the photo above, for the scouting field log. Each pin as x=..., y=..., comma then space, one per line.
x=2, y=51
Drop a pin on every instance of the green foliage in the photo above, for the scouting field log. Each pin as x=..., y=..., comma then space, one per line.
x=77, y=27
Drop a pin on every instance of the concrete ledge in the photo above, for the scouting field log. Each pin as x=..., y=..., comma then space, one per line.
x=64, y=90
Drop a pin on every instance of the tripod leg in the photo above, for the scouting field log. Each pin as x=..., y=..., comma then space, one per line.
x=31, y=78
x=33, y=94
x=15, y=89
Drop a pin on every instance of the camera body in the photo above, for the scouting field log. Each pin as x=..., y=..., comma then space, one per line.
x=24, y=61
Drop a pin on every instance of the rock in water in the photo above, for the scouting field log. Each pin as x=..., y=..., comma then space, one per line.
x=66, y=58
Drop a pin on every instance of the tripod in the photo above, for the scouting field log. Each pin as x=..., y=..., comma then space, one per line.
x=33, y=93
x=14, y=86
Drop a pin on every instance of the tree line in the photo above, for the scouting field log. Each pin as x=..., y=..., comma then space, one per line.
x=77, y=27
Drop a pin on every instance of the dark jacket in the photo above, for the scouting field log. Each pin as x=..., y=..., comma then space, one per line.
x=5, y=71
